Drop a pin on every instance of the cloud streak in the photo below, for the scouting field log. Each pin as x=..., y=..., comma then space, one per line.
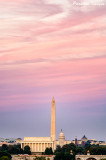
x=55, y=59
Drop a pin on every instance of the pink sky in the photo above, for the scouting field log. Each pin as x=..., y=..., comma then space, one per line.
x=52, y=48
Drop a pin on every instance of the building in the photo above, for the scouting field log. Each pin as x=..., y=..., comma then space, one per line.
x=61, y=140
x=32, y=157
x=8, y=141
x=85, y=141
x=90, y=157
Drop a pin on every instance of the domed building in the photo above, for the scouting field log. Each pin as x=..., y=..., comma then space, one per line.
x=61, y=139
x=18, y=140
x=84, y=140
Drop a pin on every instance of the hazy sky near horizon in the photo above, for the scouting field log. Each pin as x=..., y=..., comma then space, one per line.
x=53, y=48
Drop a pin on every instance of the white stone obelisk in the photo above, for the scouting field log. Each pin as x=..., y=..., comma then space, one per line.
x=53, y=121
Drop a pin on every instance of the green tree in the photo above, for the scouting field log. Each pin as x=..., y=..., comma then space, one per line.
x=4, y=147
x=58, y=149
x=15, y=149
x=79, y=150
x=58, y=156
x=27, y=150
x=3, y=153
x=40, y=158
x=97, y=150
x=48, y=151
x=69, y=147
x=4, y=158
x=64, y=152
x=67, y=156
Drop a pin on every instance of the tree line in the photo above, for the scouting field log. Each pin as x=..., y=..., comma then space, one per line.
x=67, y=152
x=7, y=150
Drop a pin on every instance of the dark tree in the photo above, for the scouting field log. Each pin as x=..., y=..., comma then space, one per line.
x=58, y=156
x=48, y=151
x=40, y=158
x=4, y=158
x=27, y=150
x=4, y=147
x=3, y=153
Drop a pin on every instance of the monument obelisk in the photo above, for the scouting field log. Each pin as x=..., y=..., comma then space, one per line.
x=53, y=121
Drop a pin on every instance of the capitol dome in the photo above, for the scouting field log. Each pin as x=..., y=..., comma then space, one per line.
x=61, y=135
x=61, y=138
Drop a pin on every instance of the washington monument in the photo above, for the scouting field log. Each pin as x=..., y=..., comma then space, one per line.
x=53, y=122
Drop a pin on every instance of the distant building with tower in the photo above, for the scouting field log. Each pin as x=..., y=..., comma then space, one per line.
x=85, y=141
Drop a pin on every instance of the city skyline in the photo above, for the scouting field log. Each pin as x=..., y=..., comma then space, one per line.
x=52, y=49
